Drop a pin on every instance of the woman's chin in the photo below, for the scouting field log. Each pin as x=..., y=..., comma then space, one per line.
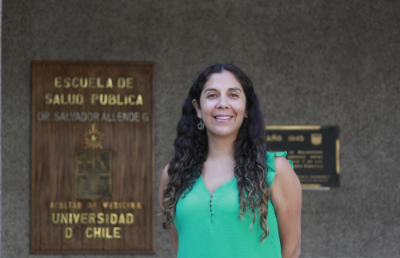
x=223, y=133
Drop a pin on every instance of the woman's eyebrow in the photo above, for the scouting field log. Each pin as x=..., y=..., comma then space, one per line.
x=235, y=89
x=230, y=89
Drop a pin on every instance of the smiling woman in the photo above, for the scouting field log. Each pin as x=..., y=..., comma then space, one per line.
x=223, y=195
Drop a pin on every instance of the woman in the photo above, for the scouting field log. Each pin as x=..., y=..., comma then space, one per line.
x=223, y=195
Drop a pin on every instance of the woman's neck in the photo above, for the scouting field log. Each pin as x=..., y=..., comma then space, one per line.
x=221, y=148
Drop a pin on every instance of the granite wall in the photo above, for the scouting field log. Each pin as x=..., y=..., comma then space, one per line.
x=313, y=62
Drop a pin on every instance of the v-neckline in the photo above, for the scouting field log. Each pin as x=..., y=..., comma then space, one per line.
x=221, y=185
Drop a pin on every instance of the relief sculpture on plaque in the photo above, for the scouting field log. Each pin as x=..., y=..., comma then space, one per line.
x=93, y=167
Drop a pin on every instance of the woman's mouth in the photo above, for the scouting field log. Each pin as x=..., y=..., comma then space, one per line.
x=223, y=118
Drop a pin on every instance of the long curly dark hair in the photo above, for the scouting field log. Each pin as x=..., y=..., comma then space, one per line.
x=191, y=149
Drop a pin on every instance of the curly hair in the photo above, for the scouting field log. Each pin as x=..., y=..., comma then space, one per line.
x=191, y=149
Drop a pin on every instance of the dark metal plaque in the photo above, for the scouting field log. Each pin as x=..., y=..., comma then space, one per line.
x=92, y=157
x=314, y=151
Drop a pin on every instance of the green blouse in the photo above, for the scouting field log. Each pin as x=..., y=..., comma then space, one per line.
x=214, y=230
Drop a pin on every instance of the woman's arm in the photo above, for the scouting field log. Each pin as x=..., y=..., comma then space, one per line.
x=286, y=197
x=163, y=184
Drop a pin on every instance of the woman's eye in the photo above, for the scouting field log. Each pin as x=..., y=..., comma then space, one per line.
x=234, y=95
x=211, y=96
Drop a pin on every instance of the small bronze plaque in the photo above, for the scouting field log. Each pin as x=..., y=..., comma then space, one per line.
x=314, y=151
x=92, y=157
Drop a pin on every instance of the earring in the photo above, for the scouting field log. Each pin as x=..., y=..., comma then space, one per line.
x=200, y=126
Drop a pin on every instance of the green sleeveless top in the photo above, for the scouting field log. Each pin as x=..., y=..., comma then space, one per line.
x=209, y=226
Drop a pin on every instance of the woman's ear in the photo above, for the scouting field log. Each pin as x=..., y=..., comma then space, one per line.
x=245, y=114
x=196, y=106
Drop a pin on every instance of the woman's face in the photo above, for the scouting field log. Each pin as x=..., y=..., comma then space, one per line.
x=222, y=105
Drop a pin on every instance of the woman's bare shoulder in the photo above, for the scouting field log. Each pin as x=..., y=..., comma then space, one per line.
x=282, y=166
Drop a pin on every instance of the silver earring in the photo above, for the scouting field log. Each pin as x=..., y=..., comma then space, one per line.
x=200, y=126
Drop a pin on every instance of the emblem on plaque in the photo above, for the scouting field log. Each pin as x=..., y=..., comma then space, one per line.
x=316, y=138
x=93, y=167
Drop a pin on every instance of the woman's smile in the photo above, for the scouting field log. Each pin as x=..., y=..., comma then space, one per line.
x=223, y=118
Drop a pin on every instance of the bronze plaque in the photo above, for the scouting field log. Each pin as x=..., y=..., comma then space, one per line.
x=92, y=157
x=314, y=151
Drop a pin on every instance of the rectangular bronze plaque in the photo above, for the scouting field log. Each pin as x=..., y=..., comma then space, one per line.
x=92, y=157
x=314, y=151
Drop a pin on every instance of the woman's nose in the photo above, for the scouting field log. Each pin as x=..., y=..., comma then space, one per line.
x=222, y=102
